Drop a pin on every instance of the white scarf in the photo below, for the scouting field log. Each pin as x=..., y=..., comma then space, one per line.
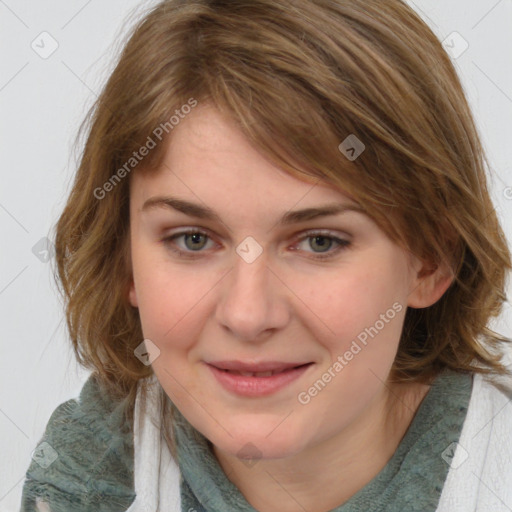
x=157, y=475
x=479, y=479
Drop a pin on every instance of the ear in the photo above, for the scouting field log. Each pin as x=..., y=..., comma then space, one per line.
x=132, y=294
x=428, y=284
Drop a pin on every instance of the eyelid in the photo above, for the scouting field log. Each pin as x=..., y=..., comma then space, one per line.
x=342, y=243
x=324, y=232
x=300, y=236
x=188, y=231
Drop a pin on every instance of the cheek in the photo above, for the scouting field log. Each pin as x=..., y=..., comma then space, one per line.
x=360, y=318
x=171, y=302
x=364, y=308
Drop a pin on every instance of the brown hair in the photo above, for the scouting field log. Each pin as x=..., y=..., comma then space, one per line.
x=298, y=78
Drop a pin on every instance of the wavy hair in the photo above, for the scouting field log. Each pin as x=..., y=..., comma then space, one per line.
x=297, y=77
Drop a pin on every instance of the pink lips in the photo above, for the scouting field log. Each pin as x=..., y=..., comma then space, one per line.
x=256, y=379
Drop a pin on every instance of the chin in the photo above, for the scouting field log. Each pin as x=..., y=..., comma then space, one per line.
x=256, y=443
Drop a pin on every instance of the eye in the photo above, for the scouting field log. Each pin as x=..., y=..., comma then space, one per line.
x=193, y=241
x=322, y=243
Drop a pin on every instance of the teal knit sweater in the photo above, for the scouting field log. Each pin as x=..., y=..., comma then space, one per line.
x=93, y=470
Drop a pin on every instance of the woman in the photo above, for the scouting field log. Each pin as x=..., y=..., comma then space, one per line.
x=280, y=259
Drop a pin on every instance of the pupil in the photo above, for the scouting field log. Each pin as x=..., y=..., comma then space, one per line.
x=196, y=239
x=322, y=241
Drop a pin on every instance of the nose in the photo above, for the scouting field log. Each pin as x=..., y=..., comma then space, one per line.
x=253, y=300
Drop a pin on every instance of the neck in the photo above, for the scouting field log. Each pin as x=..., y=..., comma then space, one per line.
x=329, y=473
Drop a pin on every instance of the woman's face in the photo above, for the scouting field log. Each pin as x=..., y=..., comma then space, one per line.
x=265, y=284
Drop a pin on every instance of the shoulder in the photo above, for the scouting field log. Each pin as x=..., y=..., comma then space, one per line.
x=495, y=392
x=501, y=382
x=480, y=474
x=489, y=417
x=85, y=456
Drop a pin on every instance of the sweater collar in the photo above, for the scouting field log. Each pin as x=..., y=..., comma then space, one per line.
x=411, y=480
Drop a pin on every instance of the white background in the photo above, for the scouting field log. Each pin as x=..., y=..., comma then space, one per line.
x=43, y=101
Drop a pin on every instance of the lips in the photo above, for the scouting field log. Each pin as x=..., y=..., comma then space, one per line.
x=268, y=373
x=262, y=369
x=257, y=379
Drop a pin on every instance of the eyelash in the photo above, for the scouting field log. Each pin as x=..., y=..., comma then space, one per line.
x=342, y=244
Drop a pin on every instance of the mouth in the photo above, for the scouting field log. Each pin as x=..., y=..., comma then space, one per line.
x=263, y=369
x=268, y=373
x=256, y=379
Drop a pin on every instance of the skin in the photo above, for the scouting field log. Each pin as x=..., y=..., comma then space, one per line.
x=284, y=306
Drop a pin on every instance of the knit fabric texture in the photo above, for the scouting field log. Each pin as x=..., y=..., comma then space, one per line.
x=411, y=481
x=84, y=461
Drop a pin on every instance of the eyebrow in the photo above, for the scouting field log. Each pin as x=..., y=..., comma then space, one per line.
x=291, y=217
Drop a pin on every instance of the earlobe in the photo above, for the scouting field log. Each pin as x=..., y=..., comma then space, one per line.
x=132, y=295
x=430, y=285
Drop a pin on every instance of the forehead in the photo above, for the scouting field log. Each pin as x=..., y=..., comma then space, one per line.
x=208, y=156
